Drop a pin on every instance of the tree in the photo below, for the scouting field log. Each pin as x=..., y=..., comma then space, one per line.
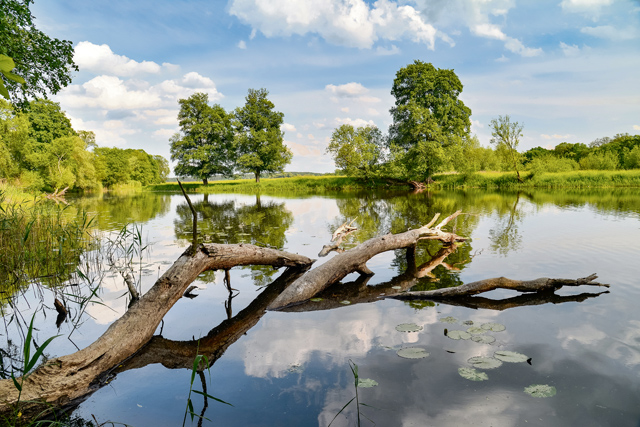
x=6, y=66
x=205, y=145
x=260, y=144
x=163, y=167
x=45, y=63
x=506, y=137
x=427, y=116
x=357, y=152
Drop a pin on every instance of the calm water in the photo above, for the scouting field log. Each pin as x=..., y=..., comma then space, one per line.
x=292, y=368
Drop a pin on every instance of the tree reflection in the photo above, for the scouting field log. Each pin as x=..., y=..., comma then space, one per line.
x=112, y=212
x=263, y=223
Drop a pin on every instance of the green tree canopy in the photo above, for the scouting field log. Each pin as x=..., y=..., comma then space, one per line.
x=45, y=63
x=259, y=139
x=358, y=152
x=427, y=117
x=204, y=147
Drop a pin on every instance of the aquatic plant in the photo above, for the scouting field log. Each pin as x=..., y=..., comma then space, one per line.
x=356, y=381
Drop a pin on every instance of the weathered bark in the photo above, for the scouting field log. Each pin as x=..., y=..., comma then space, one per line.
x=336, y=239
x=543, y=284
x=355, y=259
x=67, y=378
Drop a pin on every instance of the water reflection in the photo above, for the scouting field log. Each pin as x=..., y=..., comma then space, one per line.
x=112, y=211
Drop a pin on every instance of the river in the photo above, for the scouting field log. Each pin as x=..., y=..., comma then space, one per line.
x=294, y=368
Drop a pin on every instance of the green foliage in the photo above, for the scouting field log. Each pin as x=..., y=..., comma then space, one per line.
x=259, y=139
x=357, y=152
x=599, y=161
x=506, y=138
x=551, y=163
x=44, y=63
x=575, y=152
x=205, y=145
x=632, y=158
x=6, y=65
x=428, y=117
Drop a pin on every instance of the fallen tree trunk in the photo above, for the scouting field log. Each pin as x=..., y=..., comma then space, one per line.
x=68, y=378
x=543, y=284
x=355, y=259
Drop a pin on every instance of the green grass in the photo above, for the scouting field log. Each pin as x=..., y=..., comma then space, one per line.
x=304, y=184
x=573, y=179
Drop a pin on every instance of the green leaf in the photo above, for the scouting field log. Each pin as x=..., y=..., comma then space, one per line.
x=196, y=363
x=212, y=397
x=339, y=412
x=17, y=385
x=472, y=374
x=3, y=90
x=6, y=63
x=484, y=362
x=492, y=326
x=367, y=383
x=540, y=390
x=190, y=406
x=510, y=356
x=458, y=335
x=412, y=353
x=38, y=353
x=16, y=78
x=408, y=327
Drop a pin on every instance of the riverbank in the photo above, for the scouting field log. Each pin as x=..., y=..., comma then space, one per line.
x=482, y=180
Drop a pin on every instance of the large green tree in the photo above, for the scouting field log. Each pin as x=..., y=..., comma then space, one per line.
x=428, y=118
x=259, y=139
x=357, y=152
x=44, y=62
x=204, y=146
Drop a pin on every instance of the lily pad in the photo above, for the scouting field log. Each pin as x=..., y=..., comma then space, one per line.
x=474, y=330
x=468, y=322
x=367, y=383
x=483, y=339
x=510, y=356
x=345, y=302
x=481, y=362
x=472, y=375
x=458, y=335
x=408, y=327
x=492, y=326
x=540, y=390
x=412, y=353
x=449, y=319
x=316, y=299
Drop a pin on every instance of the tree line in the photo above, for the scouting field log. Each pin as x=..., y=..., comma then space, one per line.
x=430, y=133
x=213, y=141
x=40, y=151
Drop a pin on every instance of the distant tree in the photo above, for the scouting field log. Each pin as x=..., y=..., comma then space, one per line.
x=571, y=151
x=204, y=147
x=602, y=160
x=112, y=167
x=163, y=167
x=358, y=152
x=48, y=121
x=632, y=158
x=428, y=118
x=44, y=63
x=506, y=138
x=259, y=139
x=88, y=137
x=599, y=142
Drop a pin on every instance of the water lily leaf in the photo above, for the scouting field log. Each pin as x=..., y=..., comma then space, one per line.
x=481, y=362
x=540, y=390
x=468, y=322
x=449, y=319
x=472, y=374
x=408, y=327
x=510, y=356
x=367, y=383
x=495, y=327
x=316, y=299
x=412, y=353
x=483, y=339
x=458, y=335
x=474, y=330
x=345, y=302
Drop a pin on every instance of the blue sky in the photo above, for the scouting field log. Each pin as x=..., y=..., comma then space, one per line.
x=566, y=69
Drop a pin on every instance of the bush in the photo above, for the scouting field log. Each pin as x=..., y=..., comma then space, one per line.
x=599, y=161
x=551, y=163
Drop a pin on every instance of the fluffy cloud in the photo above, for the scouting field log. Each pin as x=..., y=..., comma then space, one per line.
x=288, y=127
x=353, y=122
x=556, y=136
x=591, y=7
x=352, y=23
x=100, y=59
x=303, y=150
x=353, y=91
x=612, y=33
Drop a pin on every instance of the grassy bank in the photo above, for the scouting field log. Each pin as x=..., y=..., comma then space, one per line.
x=507, y=180
x=296, y=185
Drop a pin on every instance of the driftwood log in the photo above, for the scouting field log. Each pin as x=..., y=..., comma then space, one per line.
x=67, y=378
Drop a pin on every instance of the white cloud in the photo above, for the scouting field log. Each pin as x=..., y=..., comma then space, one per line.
x=352, y=23
x=345, y=109
x=636, y=127
x=568, y=50
x=288, y=127
x=242, y=44
x=393, y=50
x=100, y=59
x=303, y=150
x=556, y=136
x=348, y=90
x=165, y=133
x=590, y=7
x=353, y=122
x=612, y=33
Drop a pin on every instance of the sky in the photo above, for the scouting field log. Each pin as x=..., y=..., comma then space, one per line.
x=568, y=70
